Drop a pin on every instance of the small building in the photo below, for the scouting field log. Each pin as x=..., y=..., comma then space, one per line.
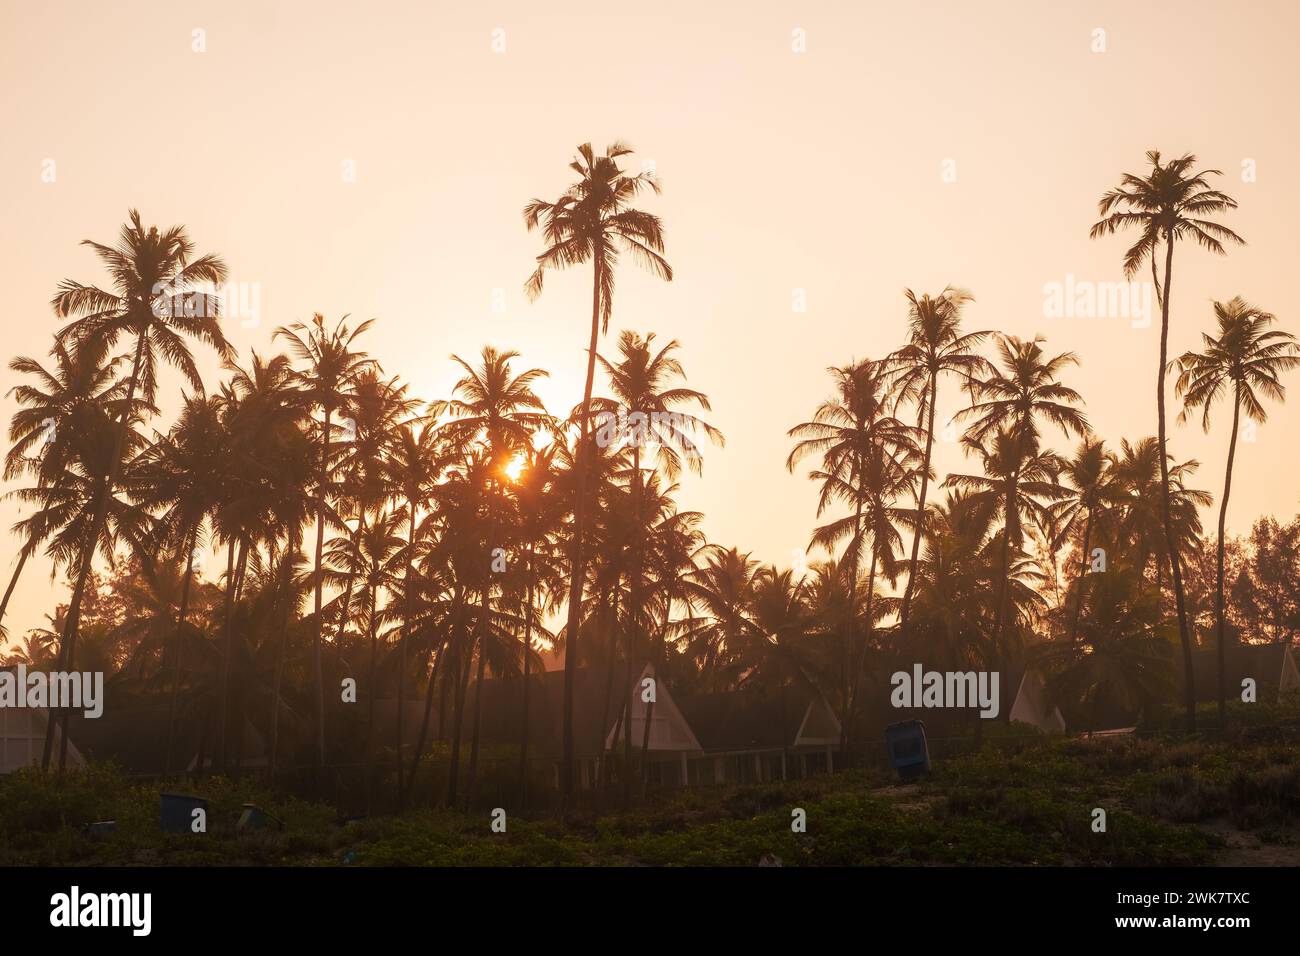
x=1033, y=706
x=22, y=739
x=757, y=734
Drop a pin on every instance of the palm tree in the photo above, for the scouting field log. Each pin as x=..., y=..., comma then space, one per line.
x=156, y=298
x=494, y=416
x=868, y=459
x=645, y=394
x=1007, y=403
x=1167, y=204
x=935, y=347
x=592, y=221
x=331, y=367
x=413, y=466
x=1092, y=490
x=1020, y=481
x=44, y=430
x=1246, y=357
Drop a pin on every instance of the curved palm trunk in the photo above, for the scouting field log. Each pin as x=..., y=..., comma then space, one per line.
x=68, y=642
x=579, y=528
x=1175, y=562
x=633, y=634
x=920, y=511
x=424, y=729
x=1218, y=563
x=178, y=650
x=13, y=581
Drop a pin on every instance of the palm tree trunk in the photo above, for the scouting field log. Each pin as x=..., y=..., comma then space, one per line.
x=1004, y=583
x=408, y=584
x=920, y=511
x=13, y=581
x=462, y=679
x=372, y=691
x=471, y=787
x=1184, y=634
x=227, y=643
x=862, y=651
x=68, y=642
x=286, y=589
x=347, y=590
x=424, y=728
x=178, y=648
x=1083, y=576
x=1218, y=563
x=577, y=567
x=318, y=680
x=481, y=626
x=528, y=650
x=849, y=680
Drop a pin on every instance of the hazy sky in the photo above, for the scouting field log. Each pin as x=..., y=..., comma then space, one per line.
x=910, y=145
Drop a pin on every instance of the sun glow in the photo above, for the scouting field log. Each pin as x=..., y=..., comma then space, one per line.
x=515, y=467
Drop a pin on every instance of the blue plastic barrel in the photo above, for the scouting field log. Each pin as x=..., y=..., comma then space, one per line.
x=178, y=811
x=908, y=750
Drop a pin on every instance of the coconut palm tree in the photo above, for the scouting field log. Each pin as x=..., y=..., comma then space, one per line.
x=592, y=221
x=868, y=459
x=1008, y=403
x=1091, y=491
x=1020, y=481
x=158, y=298
x=1244, y=359
x=494, y=415
x=1027, y=388
x=1169, y=203
x=647, y=398
x=43, y=432
x=935, y=348
x=330, y=368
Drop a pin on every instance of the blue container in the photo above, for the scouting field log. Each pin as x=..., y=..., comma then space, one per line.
x=908, y=750
x=178, y=811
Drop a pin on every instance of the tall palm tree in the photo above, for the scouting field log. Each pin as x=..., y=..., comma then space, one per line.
x=158, y=299
x=935, y=347
x=413, y=466
x=592, y=221
x=645, y=392
x=1245, y=358
x=330, y=368
x=868, y=458
x=1008, y=403
x=494, y=415
x=1171, y=202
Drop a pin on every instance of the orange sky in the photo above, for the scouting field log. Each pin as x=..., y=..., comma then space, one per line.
x=819, y=171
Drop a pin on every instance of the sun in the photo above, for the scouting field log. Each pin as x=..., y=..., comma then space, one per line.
x=515, y=467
